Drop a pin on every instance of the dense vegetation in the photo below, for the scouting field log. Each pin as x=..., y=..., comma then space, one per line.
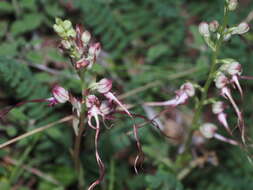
x=150, y=47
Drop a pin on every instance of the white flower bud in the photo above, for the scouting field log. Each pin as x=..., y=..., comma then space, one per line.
x=234, y=68
x=86, y=36
x=213, y=26
x=218, y=107
x=104, y=86
x=94, y=50
x=66, y=44
x=60, y=94
x=242, y=28
x=71, y=33
x=58, y=29
x=208, y=130
x=188, y=88
x=67, y=25
x=204, y=29
x=221, y=80
x=232, y=5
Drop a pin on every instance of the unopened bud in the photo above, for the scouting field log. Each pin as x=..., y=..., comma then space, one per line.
x=86, y=37
x=208, y=130
x=204, y=29
x=234, y=68
x=66, y=44
x=104, y=86
x=218, y=107
x=67, y=25
x=242, y=28
x=188, y=88
x=221, y=80
x=232, y=4
x=58, y=29
x=60, y=94
x=71, y=33
x=94, y=49
x=213, y=26
x=58, y=21
x=82, y=63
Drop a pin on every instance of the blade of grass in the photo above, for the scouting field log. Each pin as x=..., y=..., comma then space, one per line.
x=33, y=171
x=112, y=175
x=18, y=170
x=40, y=129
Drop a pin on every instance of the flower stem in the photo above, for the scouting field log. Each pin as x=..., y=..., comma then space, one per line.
x=213, y=69
x=78, y=138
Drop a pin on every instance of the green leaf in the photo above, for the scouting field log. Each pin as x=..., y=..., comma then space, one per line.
x=5, y=7
x=65, y=175
x=35, y=57
x=157, y=51
x=28, y=4
x=28, y=23
x=8, y=49
x=54, y=10
x=3, y=26
x=4, y=185
x=55, y=56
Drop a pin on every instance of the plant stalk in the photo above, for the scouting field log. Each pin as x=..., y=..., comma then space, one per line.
x=213, y=69
x=81, y=128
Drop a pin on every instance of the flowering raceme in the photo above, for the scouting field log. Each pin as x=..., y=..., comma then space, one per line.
x=225, y=73
x=97, y=101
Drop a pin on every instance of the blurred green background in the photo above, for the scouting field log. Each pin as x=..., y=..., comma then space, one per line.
x=150, y=47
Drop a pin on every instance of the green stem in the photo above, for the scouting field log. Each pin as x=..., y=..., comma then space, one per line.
x=78, y=138
x=198, y=112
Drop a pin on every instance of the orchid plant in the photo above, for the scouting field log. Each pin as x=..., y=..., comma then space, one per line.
x=224, y=72
x=97, y=103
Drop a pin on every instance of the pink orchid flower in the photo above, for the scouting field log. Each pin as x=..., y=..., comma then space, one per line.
x=186, y=91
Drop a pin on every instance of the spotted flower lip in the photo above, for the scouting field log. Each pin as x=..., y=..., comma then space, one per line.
x=91, y=100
